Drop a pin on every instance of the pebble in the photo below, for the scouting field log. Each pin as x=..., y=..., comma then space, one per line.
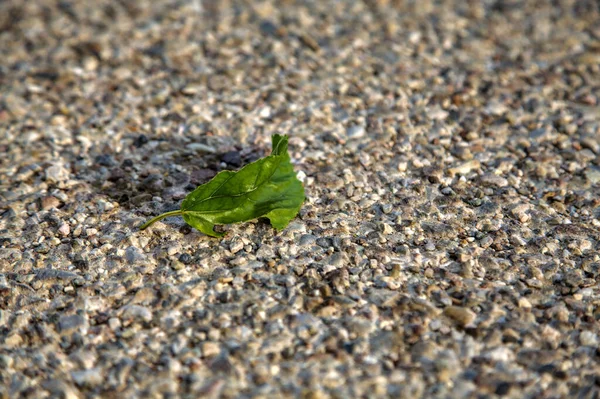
x=71, y=323
x=136, y=313
x=114, y=323
x=134, y=255
x=210, y=349
x=493, y=180
x=356, y=132
x=64, y=230
x=6, y=362
x=49, y=202
x=593, y=175
x=236, y=245
x=307, y=239
x=199, y=147
x=460, y=315
x=56, y=174
x=232, y=158
x=87, y=378
x=464, y=168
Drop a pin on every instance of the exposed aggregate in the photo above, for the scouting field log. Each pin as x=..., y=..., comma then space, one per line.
x=450, y=242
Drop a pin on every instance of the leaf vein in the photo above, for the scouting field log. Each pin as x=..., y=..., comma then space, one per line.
x=212, y=196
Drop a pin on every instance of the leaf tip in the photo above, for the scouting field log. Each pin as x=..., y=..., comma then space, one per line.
x=280, y=144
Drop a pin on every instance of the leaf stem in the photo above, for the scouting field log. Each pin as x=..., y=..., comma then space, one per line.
x=162, y=216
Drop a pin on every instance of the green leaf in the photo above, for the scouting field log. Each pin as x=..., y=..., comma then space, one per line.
x=267, y=187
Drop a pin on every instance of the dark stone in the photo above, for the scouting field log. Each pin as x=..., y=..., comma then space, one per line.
x=185, y=259
x=157, y=50
x=46, y=75
x=222, y=364
x=153, y=182
x=268, y=28
x=128, y=163
x=140, y=140
x=177, y=179
x=116, y=174
x=71, y=322
x=201, y=176
x=174, y=117
x=105, y=160
x=307, y=239
x=232, y=158
x=80, y=262
x=547, y=368
x=324, y=242
x=503, y=388
x=9, y=214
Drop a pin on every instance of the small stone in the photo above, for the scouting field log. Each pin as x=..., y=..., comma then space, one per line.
x=438, y=114
x=210, y=349
x=91, y=232
x=185, y=258
x=314, y=394
x=588, y=338
x=176, y=264
x=386, y=229
x=60, y=388
x=517, y=240
x=173, y=249
x=105, y=206
x=136, y=313
x=191, y=90
x=114, y=323
x=387, y=208
x=49, y=202
x=592, y=175
x=534, y=283
x=144, y=296
x=460, y=315
x=496, y=108
x=356, y=132
x=500, y=354
x=465, y=168
x=13, y=340
x=6, y=362
x=4, y=316
x=236, y=245
x=493, y=180
x=433, y=174
x=542, y=134
x=87, y=378
x=56, y=174
x=463, y=153
x=268, y=28
x=64, y=229
x=520, y=212
x=141, y=140
x=309, y=42
x=307, y=239
x=591, y=143
x=134, y=255
x=524, y=303
x=152, y=183
x=232, y=158
x=71, y=323
x=105, y=160
x=199, y=147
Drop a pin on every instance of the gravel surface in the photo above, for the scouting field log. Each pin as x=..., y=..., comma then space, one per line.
x=449, y=246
